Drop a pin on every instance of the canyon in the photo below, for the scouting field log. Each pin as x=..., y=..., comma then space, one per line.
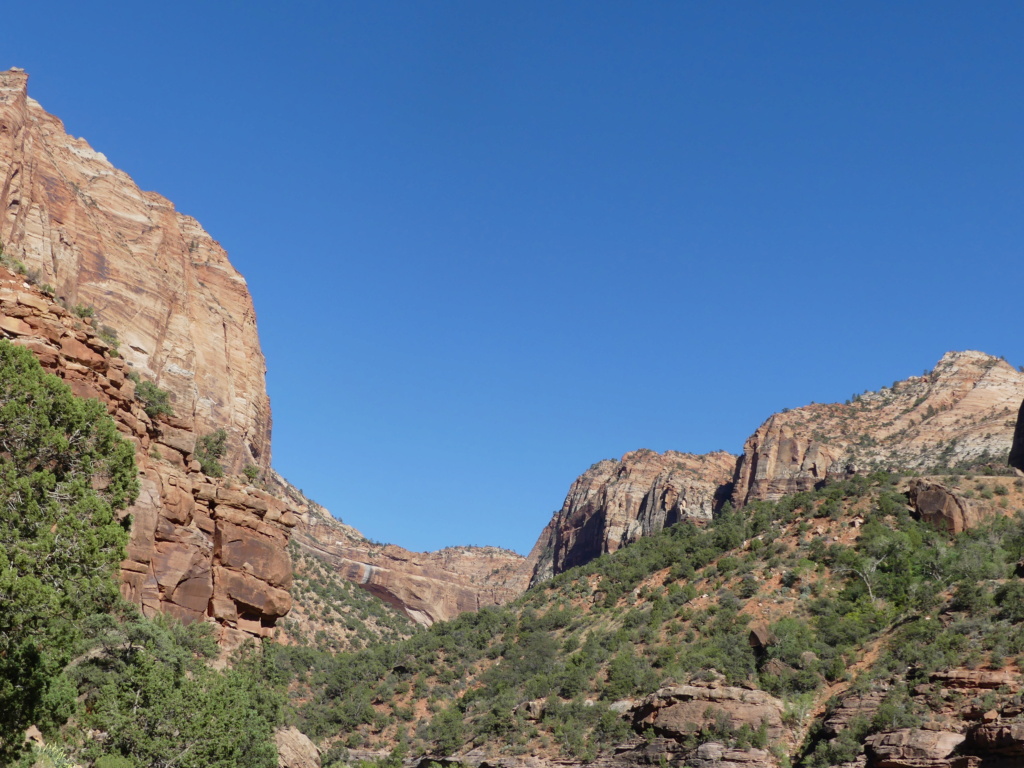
x=183, y=319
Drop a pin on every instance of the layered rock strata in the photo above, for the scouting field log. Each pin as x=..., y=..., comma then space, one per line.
x=428, y=586
x=614, y=503
x=962, y=411
x=183, y=314
x=200, y=548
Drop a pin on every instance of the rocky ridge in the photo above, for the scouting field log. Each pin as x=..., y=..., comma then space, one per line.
x=961, y=411
x=614, y=503
x=427, y=586
x=182, y=312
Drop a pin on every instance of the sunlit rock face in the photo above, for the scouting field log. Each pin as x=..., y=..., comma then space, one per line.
x=182, y=313
x=427, y=586
x=962, y=410
x=615, y=503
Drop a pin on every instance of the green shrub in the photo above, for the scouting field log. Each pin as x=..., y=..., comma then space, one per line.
x=83, y=310
x=155, y=401
x=209, y=450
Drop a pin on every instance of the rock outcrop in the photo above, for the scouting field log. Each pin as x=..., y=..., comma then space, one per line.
x=912, y=748
x=1016, y=458
x=614, y=503
x=961, y=411
x=295, y=750
x=428, y=586
x=200, y=548
x=941, y=508
x=182, y=313
x=682, y=711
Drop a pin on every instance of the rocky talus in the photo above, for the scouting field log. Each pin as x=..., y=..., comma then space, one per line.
x=183, y=314
x=614, y=503
x=428, y=586
x=200, y=548
x=963, y=410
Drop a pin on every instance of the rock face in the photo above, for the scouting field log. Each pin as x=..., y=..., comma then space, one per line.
x=912, y=748
x=428, y=586
x=200, y=548
x=614, y=503
x=963, y=410
x=183, y=315
x=941, y=508
x=684, y=710
x=1016, y=459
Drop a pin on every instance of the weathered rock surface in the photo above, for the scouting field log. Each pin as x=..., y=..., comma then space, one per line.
x=200, y=547
x=295, y=750
x=183, y=314
x=680, y=711
x=615, y=503
x=941, y=508
x=999, y=739
x=428, y=586
x=911, y=748
x=963, y=410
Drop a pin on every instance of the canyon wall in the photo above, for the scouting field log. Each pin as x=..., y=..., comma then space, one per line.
x=428, y=586
x=182, y=313
x=614, y=503
x=964, y=410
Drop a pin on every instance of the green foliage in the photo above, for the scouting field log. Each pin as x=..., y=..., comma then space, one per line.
x=251, y=472
x=155, y=401
x=147, y=685
x=84, y=310
x=64, y=471
x=209, y=450
x=108, y=334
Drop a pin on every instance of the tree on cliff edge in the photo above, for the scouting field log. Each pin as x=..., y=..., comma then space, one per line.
x=64, y=471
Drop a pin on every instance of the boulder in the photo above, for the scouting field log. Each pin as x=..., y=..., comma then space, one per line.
x=911, y=748
x=295, y=750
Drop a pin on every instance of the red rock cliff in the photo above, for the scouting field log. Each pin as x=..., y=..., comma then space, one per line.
x=183, y=314
x=614, y=503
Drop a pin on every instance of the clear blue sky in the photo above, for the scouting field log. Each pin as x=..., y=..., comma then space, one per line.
x=492, y=243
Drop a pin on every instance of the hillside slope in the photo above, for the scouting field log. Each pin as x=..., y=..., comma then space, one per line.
x=831, y=626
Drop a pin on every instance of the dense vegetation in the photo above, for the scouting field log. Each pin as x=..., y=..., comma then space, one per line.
x=73, y=656
x=832, y=573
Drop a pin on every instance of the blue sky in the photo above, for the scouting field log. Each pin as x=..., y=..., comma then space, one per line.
x=490, y=244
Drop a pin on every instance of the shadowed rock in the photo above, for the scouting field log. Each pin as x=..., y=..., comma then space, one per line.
x=1017, y=449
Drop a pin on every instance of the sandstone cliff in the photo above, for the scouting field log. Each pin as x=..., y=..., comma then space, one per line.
x=962, y=411
x=200, y=548
x=183, y=314
x=614, y=503
x=427, y=586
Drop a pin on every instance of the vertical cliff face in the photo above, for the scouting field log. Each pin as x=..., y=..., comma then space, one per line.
x=183, y=315
x=962, y=410
x=614, y=503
